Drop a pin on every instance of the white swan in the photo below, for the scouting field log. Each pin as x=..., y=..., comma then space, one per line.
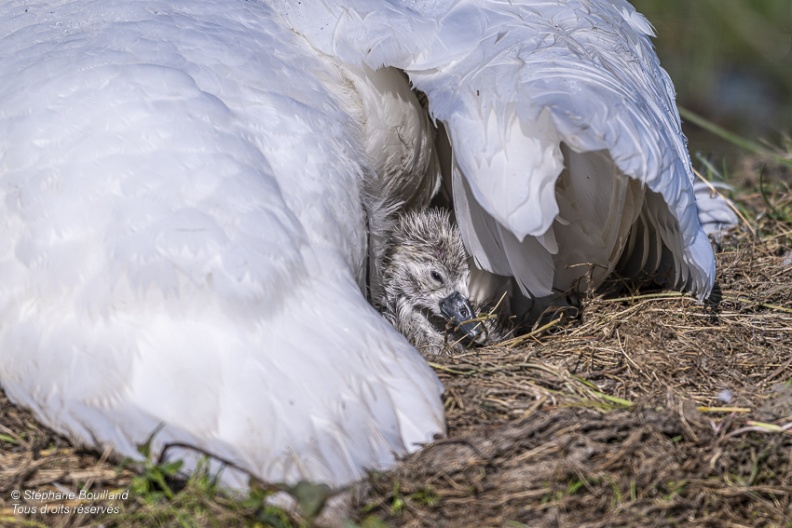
x=184, y=240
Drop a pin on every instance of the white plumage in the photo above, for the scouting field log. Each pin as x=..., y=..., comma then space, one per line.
x=717, y=214
x=184, y=233
x=523, y=89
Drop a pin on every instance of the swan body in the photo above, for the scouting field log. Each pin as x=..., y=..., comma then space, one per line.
x=190, y=197
x=182, y=247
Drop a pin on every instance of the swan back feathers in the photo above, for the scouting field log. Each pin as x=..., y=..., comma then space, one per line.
x=182, y=247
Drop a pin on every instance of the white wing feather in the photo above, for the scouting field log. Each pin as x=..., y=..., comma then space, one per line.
x=513, y=82
x=716, y=212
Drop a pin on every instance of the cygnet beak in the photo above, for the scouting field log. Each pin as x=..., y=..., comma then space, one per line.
x=458, y=309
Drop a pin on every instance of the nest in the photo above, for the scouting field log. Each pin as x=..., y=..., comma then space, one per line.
x=644, y=410
x=648, y=410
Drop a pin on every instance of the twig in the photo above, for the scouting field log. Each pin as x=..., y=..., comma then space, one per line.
x=511, y=343
x=723, y=409
x=760, y=304
x=761, y=427
x=662, y=296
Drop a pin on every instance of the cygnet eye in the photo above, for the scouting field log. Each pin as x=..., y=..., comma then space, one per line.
x=437, y=277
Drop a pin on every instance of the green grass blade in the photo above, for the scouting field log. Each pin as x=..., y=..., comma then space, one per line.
x=731, y=137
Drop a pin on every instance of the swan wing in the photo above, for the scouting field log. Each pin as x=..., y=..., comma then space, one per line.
x=184, y=243
x=716, y=212
x=569, y=159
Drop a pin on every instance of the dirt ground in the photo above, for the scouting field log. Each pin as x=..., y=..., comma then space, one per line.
x=644, y=409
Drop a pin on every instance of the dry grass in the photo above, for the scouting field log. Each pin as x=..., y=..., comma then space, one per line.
x=646, y=410
x=650, y=410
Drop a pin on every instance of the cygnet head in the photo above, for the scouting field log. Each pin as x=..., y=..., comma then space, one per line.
x=425, y=278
